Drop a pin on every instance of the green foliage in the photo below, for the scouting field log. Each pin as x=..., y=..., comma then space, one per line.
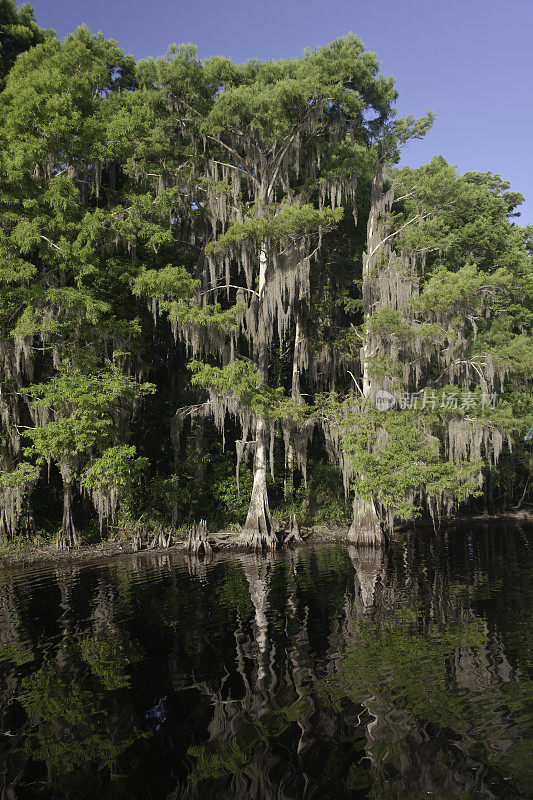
x=110, y=660
x=398, y=663
x=397, y=461
x=413, y=661
x=243, y=380
x=274, y=226
x=267, y=98
x=116, y=467
x=468, y=290
x=71, y=734
x=81, y=406
x=19, y=32
x=54, y=103
x=24, y=474
x=170, y=282
x=119, y=191
x=389, y=322
x=235, y=496
x=234, y=760
x=383, y=366
x=322, y=501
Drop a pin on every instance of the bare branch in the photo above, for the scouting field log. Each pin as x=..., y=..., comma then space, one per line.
x=282, y=152
x=52, y=244
x=184, y=412
x=231, y=166
x=416, y=218
x=357, y=332
x=474, y=366
x=228, y=286
x=237, y=156
x=405, y=196
x=354, y=380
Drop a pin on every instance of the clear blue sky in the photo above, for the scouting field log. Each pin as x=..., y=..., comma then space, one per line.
x=469, y=61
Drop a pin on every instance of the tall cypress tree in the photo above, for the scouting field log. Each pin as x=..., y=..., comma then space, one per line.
x=274, y=145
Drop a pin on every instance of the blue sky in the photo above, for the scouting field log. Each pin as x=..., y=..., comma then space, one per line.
x=469, y=61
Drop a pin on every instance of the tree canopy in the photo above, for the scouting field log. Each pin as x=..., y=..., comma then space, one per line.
x=204, y=264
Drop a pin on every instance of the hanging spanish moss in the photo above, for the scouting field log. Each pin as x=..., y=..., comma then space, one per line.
x=210, y=240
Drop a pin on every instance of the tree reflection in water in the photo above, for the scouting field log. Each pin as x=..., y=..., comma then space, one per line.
x=323, y=672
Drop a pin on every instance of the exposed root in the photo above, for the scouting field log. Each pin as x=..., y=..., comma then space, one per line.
x=294, y=536
x=198, y=541
x=257, y=533
x=67, y=538
x=162, y=539
x=165, y=539
x=257, y=538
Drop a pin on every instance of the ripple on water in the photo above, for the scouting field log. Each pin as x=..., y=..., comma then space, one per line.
x=317, y=673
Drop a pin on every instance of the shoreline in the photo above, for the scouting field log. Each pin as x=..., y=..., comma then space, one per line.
x=35, y=555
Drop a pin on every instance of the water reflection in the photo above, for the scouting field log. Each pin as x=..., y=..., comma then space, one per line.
x=321, y=673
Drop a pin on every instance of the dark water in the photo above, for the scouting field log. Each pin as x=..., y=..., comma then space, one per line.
x=321, y=673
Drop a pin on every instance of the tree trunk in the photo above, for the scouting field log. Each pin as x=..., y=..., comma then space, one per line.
x=257, y=532
x=374, y=246
x=258, y=571
x=67, y=536
x=368, y=566
x=4, y=528
x=366, y=529
x=288, y=487
x=288, y=483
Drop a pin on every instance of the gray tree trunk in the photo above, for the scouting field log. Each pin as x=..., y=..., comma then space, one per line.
x=366, y=529
x=67, y=536
x=257, y=532
x=297, y=397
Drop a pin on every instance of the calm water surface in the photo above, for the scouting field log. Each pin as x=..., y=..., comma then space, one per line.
x=319, y=673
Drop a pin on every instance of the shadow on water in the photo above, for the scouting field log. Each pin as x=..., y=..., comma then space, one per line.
x=322, y=673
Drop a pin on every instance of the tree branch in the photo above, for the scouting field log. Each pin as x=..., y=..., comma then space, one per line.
x=231, y=166
x=357, y=332
x=418, y=217
x=233, y=152
x=52, y=244
x=282, y=152
x=354, y=380
x=228, y=286
x=184, y=412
